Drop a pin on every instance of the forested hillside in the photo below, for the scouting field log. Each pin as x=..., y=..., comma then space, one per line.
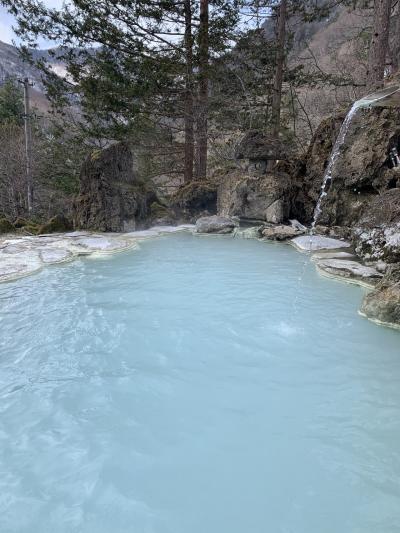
x=183, y=84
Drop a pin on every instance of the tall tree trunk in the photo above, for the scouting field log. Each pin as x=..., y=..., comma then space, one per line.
x=280, y=60
x=202, y=111
x=189, y=111
x=379, y=44
x=395, y=48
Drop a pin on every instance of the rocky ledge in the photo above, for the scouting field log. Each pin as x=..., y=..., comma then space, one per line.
x=335, y=260
x=349, y=270
x=382, y=305
x=378, y=243
x=216, y=224
x=312, y=243
x=21, y=256
x=281, y=232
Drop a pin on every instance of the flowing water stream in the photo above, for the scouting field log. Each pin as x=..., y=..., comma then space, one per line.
x=173, y=390
x=326, y=181
x=373, y=100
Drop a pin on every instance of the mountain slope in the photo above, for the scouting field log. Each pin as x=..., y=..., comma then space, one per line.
x=12, y=65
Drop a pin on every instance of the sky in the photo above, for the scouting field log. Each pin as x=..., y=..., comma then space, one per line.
x=6, y=22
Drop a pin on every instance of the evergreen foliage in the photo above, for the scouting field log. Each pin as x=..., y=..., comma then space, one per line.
x=11, y=103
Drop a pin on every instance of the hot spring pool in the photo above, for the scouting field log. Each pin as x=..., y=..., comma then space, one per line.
x=196, y=386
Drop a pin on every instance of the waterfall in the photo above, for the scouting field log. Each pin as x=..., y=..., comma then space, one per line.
x=335, y=153
x=368, y=101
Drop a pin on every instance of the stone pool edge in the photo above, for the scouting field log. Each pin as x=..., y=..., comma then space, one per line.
x=22, y=256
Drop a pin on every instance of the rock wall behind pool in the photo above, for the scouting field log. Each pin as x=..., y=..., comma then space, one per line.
x=111, y=195
x=361, y=174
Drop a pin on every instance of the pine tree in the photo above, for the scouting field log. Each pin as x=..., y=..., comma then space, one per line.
x=131, y=67
x=11, y=103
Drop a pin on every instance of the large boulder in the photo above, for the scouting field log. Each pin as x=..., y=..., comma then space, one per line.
x=380, y=243
x=194, y=199
x=57, y=224
x=362, y=169
x=162, y=215
x=377, y=234
x=384, y=208
x=257, y=146
x=6, y=226
x=279, y=232
x=309, y=170
x=383, y=304
x=111, y=195
x=257, y=198
x=215, y=224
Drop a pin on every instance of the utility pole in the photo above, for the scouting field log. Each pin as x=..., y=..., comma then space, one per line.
x=28, y=143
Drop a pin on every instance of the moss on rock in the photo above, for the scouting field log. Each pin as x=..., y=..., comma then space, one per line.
x=57, y=224
x=20, y=222
x=31, y=227
x=161, y=214
x=196, y=198
x=6, y=226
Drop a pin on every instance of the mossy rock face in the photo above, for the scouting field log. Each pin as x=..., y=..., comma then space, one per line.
x=6, y=226
x=31, y=228
x=112, y=196
x=20, y=222
x=159, y=211
x=196, y=197
x=57, y=224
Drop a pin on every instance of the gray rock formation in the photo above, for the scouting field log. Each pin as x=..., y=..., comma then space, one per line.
x=111, y=195
x=309, y=171
x=256, y=146
x=307, y=243
x=24, y=255
x=256, y=149
x=378, y=243
x=265, y=197
x=361, y=173
x=259, y=191
x=247, y=233
x=215, y=224
x=383, y=304
x=348, y=270
x=320, y=256
x=195, y=199
x=279, y=232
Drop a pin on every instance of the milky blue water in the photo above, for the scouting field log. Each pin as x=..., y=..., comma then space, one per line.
x=196, y=386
